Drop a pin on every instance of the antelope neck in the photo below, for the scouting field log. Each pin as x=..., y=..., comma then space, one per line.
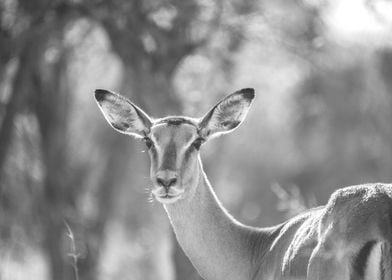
x=216, y=244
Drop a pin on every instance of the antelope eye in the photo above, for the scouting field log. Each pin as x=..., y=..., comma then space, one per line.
x=197, y=143
x=148, y=142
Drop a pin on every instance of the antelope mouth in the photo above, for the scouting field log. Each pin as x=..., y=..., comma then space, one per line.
x=167, y=197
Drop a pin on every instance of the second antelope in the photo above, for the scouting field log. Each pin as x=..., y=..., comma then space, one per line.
x=347, y=239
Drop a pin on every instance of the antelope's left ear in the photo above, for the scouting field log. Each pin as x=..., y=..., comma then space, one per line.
x=228, y=114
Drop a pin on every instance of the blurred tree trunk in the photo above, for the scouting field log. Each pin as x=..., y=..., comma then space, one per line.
x=14, y=103
x=28, y=45
x=25, y=49
x=52, y=109
x=64, y=178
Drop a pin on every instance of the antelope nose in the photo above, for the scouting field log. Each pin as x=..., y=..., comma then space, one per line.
x=166, y=179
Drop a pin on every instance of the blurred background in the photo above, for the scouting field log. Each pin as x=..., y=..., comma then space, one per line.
x=74, y=193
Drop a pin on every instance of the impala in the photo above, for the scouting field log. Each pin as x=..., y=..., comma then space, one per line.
x=349, y=238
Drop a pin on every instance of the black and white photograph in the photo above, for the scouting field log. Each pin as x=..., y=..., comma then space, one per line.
x=195, y=140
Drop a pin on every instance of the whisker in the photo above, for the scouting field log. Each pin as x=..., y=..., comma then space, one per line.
x=150, y=198
x=147, y=191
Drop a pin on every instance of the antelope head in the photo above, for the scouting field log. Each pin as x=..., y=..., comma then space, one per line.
x=174, y=142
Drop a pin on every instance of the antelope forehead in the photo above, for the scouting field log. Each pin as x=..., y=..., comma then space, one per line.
x=180, y=134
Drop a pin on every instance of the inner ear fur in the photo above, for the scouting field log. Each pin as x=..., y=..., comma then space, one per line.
x=122, y=114
x=227, y=114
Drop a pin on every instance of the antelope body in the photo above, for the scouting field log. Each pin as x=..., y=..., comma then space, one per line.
x=347, y=239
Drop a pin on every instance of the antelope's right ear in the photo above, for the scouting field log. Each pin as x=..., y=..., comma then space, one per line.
x=122, y=114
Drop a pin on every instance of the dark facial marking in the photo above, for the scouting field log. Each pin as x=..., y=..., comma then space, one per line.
x=148, y=142
x=154, y=156
x=176, y=121
x=169, y=157
x=198, y=142
x=195, y=146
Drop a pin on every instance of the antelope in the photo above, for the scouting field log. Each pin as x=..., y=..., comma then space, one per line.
x=347, y=239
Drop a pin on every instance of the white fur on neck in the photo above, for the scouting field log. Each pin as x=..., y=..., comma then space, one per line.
x=213, y=240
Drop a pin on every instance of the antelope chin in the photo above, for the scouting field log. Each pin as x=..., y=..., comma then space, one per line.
x=167, y=197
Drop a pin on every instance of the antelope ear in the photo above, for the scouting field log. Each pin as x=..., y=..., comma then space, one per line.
x=228, y=114
x=122, y=114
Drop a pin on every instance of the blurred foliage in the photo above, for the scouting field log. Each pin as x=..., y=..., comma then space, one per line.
x=73, y=190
